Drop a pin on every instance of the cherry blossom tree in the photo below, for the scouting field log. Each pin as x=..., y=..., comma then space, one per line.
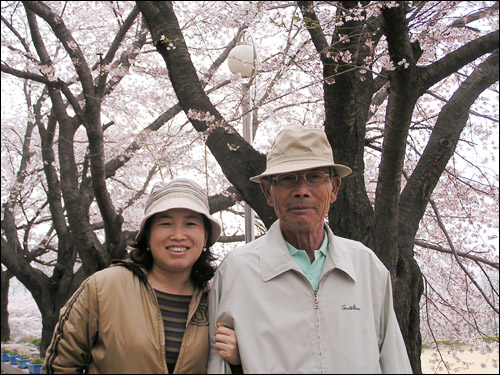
x=407, y=93
x=346, y=38
x=63, y=201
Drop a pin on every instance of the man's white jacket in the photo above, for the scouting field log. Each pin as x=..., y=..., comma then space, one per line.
x=347, y=326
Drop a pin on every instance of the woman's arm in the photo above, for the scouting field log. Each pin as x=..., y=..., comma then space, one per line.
x=69, y=351
x=226, y=344
x=227, y=347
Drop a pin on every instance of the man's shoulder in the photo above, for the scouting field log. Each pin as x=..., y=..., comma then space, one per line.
x=357, y=251
x=244, y=251
x=245, y=254
x=353, y=245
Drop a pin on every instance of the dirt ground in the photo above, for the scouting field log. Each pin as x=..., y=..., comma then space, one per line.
x=467, y=363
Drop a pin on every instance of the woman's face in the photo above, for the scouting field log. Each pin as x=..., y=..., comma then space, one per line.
x=177, y=238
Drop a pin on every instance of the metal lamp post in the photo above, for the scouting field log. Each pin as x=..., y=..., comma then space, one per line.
x=242, y=59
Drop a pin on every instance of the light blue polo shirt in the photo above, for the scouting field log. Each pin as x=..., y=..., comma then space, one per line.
x=311, y=270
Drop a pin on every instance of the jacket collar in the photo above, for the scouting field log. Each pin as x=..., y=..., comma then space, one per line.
x=339, y=256
x=275, y=258
x=134, y=267
x=141, y=272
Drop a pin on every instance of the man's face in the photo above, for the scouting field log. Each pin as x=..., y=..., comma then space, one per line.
x=301, y=207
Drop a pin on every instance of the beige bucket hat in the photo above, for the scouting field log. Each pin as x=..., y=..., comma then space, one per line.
x=298, y=148
x=179, y=193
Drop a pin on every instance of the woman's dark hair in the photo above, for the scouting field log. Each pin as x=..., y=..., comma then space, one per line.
x=202, y=270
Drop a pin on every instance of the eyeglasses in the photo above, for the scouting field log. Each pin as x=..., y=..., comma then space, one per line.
x=289, y=180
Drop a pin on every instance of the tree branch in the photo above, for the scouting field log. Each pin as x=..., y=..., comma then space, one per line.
x=239, y=160
x=472, y=112
x=91, y=121
x=70, y=45
x=30, y=76
x=120, y=35
x=463, y=21
x=313, y=26
x=455, y=60
x=34, y=279
x=113, y=165
x=126, y=58
x=455, y=254
x=441, y=249
x=442, y=143
x=430, y=327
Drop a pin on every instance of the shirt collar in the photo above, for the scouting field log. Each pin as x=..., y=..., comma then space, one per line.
x=323, y=247
x=278, y=260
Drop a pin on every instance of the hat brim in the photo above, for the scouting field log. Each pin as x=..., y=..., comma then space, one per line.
x=301, y=165
x=182, y=203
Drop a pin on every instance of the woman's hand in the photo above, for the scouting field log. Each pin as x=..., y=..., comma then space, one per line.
x=226, y=344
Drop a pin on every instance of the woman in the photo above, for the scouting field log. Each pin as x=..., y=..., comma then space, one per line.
x=149, y=313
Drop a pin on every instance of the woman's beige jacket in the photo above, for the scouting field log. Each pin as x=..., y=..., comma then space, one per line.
x=112, y=324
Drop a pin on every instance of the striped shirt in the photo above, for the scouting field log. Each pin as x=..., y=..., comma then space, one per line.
x=174, y=310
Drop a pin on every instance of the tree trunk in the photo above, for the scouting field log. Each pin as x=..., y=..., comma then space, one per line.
x=49, y=321
x=408, y=286
x=238, y=160
x=6, y=276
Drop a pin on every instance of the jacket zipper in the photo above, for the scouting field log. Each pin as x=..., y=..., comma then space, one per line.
x=162, y=331
x=316, y=302
x=316, y=308
x=315, y=294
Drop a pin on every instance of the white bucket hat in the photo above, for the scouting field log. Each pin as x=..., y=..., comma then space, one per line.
x=297, y=148
x=179, y=193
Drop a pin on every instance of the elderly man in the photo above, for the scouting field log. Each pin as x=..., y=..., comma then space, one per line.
x=301, y=299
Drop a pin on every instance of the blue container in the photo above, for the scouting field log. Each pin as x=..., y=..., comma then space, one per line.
x=35, y=368
x=22, y=363
x=5, y=357
x=13, y=359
